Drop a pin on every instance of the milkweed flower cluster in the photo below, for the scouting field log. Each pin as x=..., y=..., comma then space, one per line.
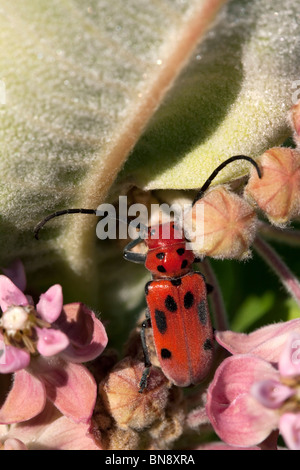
x=256, y=390
x=56, y=401
x=43, y=346
x=50, y=430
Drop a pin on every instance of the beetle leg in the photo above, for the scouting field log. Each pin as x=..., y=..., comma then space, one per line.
x=133, y=256
x=147, y=362
x=209, y=288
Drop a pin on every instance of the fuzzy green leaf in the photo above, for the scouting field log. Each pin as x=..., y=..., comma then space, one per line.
x=79, y=82
x=83, y=80
x=232, y=99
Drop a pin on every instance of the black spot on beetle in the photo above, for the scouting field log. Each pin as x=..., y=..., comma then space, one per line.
x=202, y=312
x=160, y=255
x=180, y=251
x=161, y=321
x=207, y=344
x=165, y=353
x=170, y=303
x=147, y=287
x=161, y=268
x=184, y=264
x=176, y=282
x=188, y=300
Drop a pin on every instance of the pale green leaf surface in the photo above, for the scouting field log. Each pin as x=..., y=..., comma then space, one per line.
x=82, y=80
x=232, y=99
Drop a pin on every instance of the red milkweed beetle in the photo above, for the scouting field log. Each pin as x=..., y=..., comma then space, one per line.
x=176, y=298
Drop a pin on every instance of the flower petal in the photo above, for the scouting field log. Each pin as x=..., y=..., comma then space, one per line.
x=64, y=434
x=51, y=430
x=14, y=444
x=77, y=322
x=87, y=333
x=236, y=416
x=271, y=393
x=50, y=341
x=267, y=342
x=12, y=359
x=289, y=425
x=30, y=300
x=222, y=446
x=10, y=294
x=16, y=273
x=25, y=400
x=289, y=362
x=71, y=387
x=51, y=303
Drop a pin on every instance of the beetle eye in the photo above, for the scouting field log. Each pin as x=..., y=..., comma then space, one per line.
x=175, y=227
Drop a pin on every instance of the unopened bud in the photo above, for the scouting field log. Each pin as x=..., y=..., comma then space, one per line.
x=172, y=426
x=129, y=408
x=277, y=193
x=118, y=439
x=295, y=121
x=226, y=226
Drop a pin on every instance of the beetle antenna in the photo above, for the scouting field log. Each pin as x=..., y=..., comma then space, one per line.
x=58, y=214
x=219, y=168
x=41, y=224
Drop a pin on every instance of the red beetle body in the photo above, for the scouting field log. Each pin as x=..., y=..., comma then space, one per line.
x=177, y=303
x=176, y=297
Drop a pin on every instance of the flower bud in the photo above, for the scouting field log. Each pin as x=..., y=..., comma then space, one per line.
x=166, y=431
x=277, y=193
x=118, y=439
x=129, y=408
x=295, y=121
x=221, y=225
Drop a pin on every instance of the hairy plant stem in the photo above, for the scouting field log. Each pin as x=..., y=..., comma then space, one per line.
x=216, y=298
x=282, y=235
x=275, y=262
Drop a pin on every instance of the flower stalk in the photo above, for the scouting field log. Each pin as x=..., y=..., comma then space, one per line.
x=275, y=262
x=288, y=236
x=217, y=302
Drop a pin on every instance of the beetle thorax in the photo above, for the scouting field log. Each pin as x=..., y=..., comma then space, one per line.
x=169, y=261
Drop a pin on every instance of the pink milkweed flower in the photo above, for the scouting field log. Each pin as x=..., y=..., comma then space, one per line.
x=50, y=431
x=266, y=342
x=256, y=391
x=16, y=272
x=43, y=347
x=222, y=446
